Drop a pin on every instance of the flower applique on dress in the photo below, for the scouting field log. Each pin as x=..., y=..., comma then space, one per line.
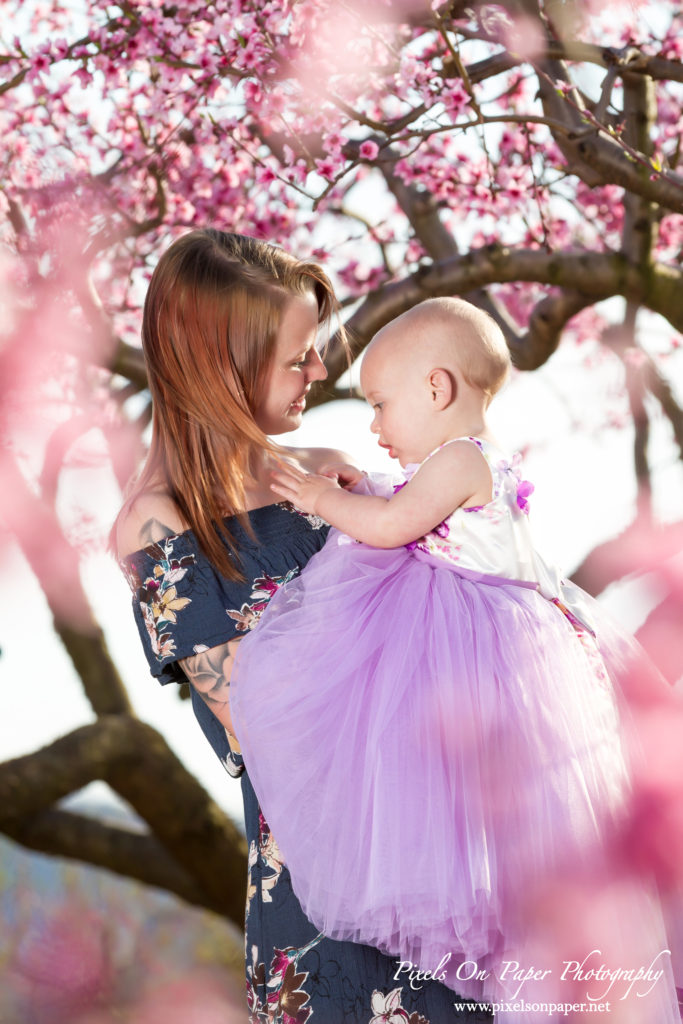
x=286, y=1001
x=524, y=487
x=388, y=1009
x=266, y=857
x=158, y=595
x=263, y=588
x=316, y=522
x=270, y=857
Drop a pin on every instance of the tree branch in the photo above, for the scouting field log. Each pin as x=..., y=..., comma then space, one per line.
x=661, y=389
x=13, y=82
x=595, y=154
x=423, y=214
x=626, y=60
x=640, y=113
x=595, y=276
x=547, y=322
x=420, y=209
x=119, y=849
x=638, y=240
x=129, y=362
x=57, y=447
x=623, y=342
x=571, y=114
x=55, y=565
x=642, y=546
x=137, y=763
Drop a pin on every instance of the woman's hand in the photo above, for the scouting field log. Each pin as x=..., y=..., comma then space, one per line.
x=304, y=489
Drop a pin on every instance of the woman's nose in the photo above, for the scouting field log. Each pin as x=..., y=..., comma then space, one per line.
x=316, y=368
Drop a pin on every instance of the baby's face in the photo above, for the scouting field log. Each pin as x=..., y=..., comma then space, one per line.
x=400, y=398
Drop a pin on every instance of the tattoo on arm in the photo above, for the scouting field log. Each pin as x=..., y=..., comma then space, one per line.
x=209, y=674
x=154, y=530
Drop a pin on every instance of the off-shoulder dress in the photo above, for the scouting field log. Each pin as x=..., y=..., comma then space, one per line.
x=294, y=974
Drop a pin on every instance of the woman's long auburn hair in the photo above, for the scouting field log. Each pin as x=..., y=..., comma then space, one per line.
x=210, y=320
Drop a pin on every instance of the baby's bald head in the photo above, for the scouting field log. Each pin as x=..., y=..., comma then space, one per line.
x=451, y=333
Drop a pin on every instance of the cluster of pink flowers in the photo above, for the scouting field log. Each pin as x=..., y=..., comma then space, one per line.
x=248, y=113
x=141, y=121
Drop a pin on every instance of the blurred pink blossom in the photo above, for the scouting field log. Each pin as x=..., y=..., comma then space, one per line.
x=368, y=150
x=63, y=965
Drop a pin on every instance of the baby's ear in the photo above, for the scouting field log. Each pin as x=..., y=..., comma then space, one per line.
x=442, y=387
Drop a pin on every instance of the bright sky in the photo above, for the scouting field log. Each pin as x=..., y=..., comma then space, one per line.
x=584, y=494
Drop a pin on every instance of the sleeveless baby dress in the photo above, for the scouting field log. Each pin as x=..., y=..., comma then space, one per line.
x=432, y=730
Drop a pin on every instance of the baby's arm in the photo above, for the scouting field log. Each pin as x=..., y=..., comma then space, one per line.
x=455, y=475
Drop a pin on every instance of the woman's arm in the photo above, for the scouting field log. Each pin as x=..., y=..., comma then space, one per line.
x=152, y=518
x=209, y=674
x=456, y=475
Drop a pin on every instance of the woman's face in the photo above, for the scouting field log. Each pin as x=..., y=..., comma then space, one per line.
x=295, y=365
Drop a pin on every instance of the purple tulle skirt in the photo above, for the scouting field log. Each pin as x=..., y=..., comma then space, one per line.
x=426, y=748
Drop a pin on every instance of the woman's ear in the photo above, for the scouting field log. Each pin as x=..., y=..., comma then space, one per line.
x=442, y=386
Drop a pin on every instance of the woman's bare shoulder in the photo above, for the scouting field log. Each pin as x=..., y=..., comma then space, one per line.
x=152, y=516
x=315, y=459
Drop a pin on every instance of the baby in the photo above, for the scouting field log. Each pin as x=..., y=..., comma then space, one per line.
x=425, y=715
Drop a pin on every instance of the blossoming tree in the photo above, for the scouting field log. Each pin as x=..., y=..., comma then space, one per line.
x=525, y=154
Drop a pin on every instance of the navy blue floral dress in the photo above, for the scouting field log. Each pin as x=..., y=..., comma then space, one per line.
x=183, y=606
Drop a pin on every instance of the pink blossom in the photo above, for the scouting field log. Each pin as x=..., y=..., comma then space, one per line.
x=265, y=175
x=327, y=168
x=333, y=142
x=253, y=93
x=297, y=173
x=234, y=105
x=524, y=36
x=369, y=150
x=455, y=99
x=65, y=959
x=83, y=76
x=41, y=62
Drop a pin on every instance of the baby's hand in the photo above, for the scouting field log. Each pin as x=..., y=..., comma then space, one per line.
x=302, y=489
x=344, y=473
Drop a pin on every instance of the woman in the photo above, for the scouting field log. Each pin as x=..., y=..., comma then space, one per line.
x=229, y=335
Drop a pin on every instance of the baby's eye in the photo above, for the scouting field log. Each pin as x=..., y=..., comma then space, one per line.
x=378, y=405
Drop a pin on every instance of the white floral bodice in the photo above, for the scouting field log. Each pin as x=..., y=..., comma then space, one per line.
x=494, y=539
